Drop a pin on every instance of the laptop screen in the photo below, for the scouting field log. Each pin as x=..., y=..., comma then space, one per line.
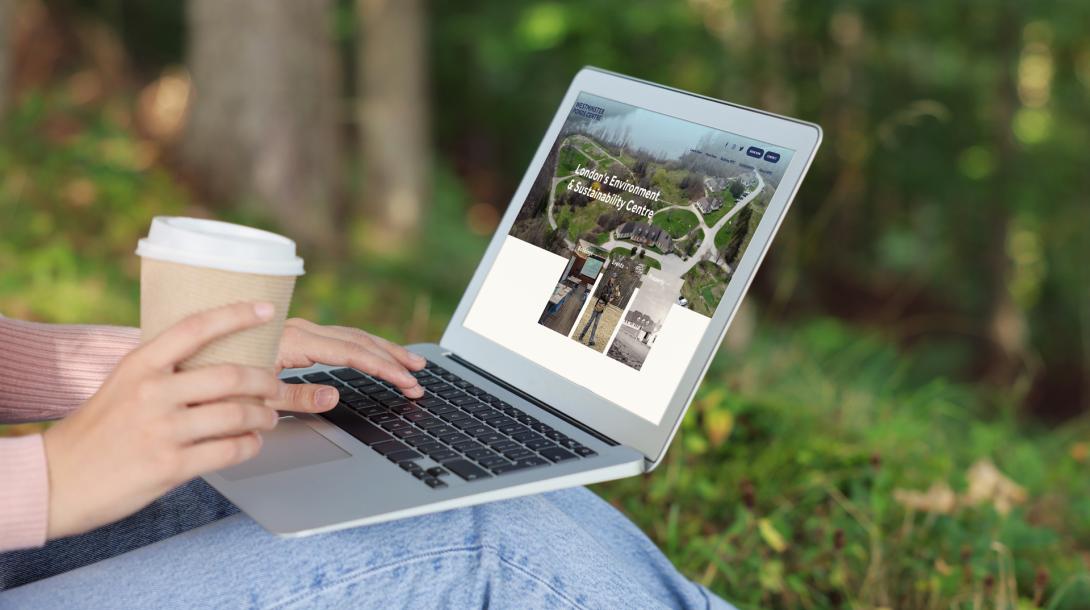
x=624, y=247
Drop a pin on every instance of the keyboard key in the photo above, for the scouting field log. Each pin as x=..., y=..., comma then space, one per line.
x=466, y=469
x=517, y=454
x=455, y=416
x=383, y=395
x=480, y=454
x=396, y=424
x=494, y=416
x=557, y=454
x=468, y=446
x=292, y=380
x=434, y=483
x=420, y=374
x=385, y=416
x=584, y=451
x=394, y=402
x=431, y=445
x=416, y=415
x=404, y=432
x=391, y=446
x=512, y=428
x=443, y=454
x=318, y=378
x=430, y=402
x=401, y=456
x=438, y=471
x=403, y=408
x=491, y=437
x=470, y=425
x=504, y=445
x=347, y=374
x=555, y=435
x=363, y=430
x=453, y=437
x=408, y=465
x=443, y=409
x=420, y=473
x=364, y=382
x=539, y=444
x=532, y=461
x=525, y=437
x=438, y=431
x=418, y=439
x=429, y=422
x=371, y=411
x=462, y=401
x=493, y=462
x=540, y=427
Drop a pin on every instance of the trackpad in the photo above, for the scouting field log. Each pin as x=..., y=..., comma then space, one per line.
x=292, y=444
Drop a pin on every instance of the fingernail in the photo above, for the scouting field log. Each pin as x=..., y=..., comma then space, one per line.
x=326, y=397
x=264, y=311
x=417, y=358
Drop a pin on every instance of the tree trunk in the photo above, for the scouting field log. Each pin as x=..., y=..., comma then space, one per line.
x=7, y=16
x=393, y=118
x=263, y=124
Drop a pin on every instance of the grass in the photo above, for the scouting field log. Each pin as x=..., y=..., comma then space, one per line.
x=676, y=222
x=786, y=485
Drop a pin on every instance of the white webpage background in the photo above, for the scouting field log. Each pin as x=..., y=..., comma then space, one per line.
x=511, y=300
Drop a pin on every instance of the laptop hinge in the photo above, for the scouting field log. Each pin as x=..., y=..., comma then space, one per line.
x=538, y=403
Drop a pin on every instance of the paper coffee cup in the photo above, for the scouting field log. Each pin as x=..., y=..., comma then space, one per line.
x=189, y=265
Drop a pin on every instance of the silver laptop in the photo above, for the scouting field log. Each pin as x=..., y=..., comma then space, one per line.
x=586, y=329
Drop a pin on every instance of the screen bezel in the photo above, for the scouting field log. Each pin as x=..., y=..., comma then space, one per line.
x=577, y=401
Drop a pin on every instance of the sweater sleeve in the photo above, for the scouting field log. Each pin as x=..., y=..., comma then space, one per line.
x=24, y=492
x=47, y=370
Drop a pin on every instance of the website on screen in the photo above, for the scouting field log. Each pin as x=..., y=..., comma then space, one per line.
x=624, y=247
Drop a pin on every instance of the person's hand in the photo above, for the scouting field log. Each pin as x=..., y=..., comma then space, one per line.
x=305, y=343
x=149, y=428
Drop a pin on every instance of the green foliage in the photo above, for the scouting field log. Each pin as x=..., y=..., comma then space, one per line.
x=779, y=489
x=676, y=222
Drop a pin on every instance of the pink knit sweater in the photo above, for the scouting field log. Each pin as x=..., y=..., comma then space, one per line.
x=46, y=371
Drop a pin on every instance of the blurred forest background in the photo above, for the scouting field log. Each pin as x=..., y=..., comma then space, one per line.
x=899, y=416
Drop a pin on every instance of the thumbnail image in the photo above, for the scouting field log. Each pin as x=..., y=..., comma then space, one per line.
x=570, y=294
x=608, y=302
x=644, y=318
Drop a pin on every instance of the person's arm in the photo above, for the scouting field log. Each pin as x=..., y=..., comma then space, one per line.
x=47, y=370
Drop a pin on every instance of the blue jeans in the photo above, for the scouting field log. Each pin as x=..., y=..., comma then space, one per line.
x=594, y=317
x=565, y=549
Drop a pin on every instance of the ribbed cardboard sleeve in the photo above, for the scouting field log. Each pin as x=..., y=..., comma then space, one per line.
x=170, y=292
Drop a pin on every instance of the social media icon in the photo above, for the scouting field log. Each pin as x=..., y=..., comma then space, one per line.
x=755, y=152
x=772, y=157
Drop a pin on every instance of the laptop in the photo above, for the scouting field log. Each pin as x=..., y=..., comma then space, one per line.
x=583, y=335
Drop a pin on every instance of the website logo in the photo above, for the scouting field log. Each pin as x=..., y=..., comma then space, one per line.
x=755, y=152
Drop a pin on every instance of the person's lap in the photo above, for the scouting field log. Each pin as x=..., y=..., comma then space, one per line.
x=563, y=549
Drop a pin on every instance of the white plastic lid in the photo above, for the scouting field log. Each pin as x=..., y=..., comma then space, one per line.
x=219, y=245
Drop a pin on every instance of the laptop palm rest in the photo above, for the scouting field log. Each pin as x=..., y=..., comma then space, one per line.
x=292, y=444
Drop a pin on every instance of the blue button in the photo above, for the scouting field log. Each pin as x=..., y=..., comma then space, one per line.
x=755, y=152
x=772, y=157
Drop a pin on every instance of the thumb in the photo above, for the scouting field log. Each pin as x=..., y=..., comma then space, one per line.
x=305, y=398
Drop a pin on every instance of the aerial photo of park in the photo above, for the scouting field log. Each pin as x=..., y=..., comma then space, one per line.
x=640, y=201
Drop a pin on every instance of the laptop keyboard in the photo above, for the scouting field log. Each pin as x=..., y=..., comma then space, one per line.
x=471, y=433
